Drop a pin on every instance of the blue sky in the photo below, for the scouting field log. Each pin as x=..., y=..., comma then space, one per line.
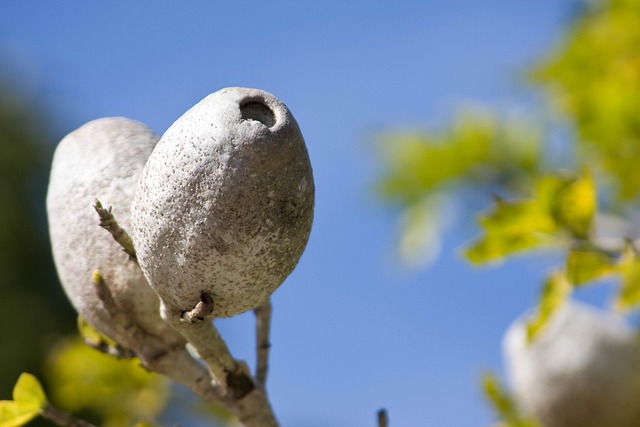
x=352, y=330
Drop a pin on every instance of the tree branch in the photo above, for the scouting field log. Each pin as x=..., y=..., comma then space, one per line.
x=175, y=363
x=247, y=401
x=63, y=419
x=263, y=345
x=109, y=223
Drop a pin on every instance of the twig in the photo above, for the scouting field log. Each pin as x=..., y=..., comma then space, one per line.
x=383, y=418
x=120, y=317
x=263, y=344
x=116, y=351
x=109, y=223
x=231, y=377
x=210, y=346
x=63, y=419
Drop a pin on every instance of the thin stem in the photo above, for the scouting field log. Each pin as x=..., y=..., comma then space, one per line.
x=63, y=419
x=213, y=352
x=263, y=344
x=109, y=223
x=383, y=418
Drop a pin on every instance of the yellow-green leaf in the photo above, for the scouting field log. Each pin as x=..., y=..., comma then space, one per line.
x=575, y=206
x=504, y=404
x=585, y=266
x=495, y=246
x=121, y=392
x=520, y=215
x=28, y=392
x=499, y=399
x=629, y=294
x=14, y=414
x=555, y=292
x=91, y=335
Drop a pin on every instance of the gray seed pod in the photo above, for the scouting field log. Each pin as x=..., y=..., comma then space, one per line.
x=225, y=203
x=583, y=371
x=102, y=159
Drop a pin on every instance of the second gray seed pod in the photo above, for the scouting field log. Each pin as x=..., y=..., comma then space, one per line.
x=225, y=203
x=583, y=371
x=103, y=159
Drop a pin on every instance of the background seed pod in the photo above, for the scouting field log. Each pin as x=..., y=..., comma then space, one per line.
x=225, y=203
x=583, y=371
x=102, y=159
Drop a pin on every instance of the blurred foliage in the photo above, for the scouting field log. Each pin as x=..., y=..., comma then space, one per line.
x=561, y=206
x=118, y=392
x=504, y=405
x=33, y=310
x=477, y=149
x=423, y=170
x=554, y=293
x=593, y=79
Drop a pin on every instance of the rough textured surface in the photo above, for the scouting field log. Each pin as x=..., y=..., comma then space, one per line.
x=584, y=371
x=225, y=203
x=102, y=159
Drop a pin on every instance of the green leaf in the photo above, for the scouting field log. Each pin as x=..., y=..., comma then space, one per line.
x=14, y=414
x=555, y=292
x=499, y=399
x=504, y=404
x=629, y=294
x=91, y=335
x=585, y=266
x=575, y=206
x=517, y=216
x=119, y=391
x=28, y=401
x=495, y=246
x=28, y=392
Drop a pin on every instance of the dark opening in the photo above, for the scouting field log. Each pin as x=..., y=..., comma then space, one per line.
x=255, y=110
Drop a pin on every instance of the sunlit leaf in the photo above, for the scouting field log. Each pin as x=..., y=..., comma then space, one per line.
x=554, y=293
x=91, y=334
x=575, y=206
x=511, y=227
x=593, y=79
x=585, y=266
x=495, y=246
x=28, y=392
x=14, y=414
x=504, y=405
x=628, y=296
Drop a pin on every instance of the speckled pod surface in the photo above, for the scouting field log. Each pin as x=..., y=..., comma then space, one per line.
x=583, y=371
x=225, y=203
x=102, y=159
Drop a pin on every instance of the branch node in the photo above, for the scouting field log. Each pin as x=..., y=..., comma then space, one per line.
x=200, y=312
x=263, y=345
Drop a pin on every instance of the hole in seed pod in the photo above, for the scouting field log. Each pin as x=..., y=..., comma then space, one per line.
x=255, y=110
